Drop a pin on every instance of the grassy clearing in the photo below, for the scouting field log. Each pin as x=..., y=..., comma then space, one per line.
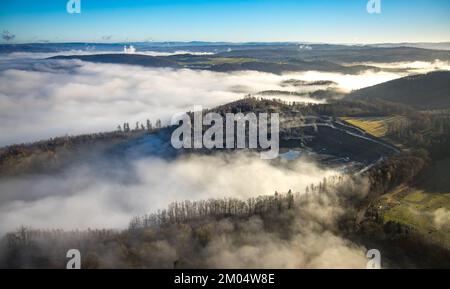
x=426, y=213
x=376, y=126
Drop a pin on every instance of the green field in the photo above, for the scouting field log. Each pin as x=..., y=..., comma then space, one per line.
x=376, y=126
x=426, y=213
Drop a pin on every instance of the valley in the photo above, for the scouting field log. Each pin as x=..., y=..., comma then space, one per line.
x=363, y=158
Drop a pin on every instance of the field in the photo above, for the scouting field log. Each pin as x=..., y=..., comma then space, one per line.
x=376, y=126
x=426, y=213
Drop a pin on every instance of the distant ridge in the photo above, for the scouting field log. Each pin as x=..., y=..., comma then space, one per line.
x=423, y=91
x=208, y=63
x=119, y=58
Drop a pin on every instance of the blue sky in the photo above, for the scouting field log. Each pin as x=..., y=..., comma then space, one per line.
x=332, y=21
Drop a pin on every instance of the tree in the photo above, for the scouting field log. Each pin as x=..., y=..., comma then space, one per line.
x=149, y=125
x=126, y=127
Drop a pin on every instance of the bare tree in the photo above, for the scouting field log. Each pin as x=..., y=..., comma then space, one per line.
x=149, y=125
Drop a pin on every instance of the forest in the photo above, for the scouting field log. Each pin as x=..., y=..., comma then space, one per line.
x=184, y=234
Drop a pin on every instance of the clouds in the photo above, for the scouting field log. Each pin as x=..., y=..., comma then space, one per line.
x=87, y=196
x=46, y=98
x=313, y=240
x=53, y=98
x=441, y=218
x=107, y=37
x=91, y=50
x=41, y=99
x=349, y=82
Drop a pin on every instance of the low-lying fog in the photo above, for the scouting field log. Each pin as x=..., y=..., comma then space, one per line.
x=86, y=197
x=108, y=196
x=41, y=99
x=412, y=67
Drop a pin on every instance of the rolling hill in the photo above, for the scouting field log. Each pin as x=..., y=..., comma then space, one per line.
x=424, y=91
x=217, y=63
x=132, y=59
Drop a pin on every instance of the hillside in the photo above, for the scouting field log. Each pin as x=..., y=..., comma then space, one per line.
x=425, y=91
x=219, y=64
x=132, y=59
x=332, y=142
x=344, y=54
